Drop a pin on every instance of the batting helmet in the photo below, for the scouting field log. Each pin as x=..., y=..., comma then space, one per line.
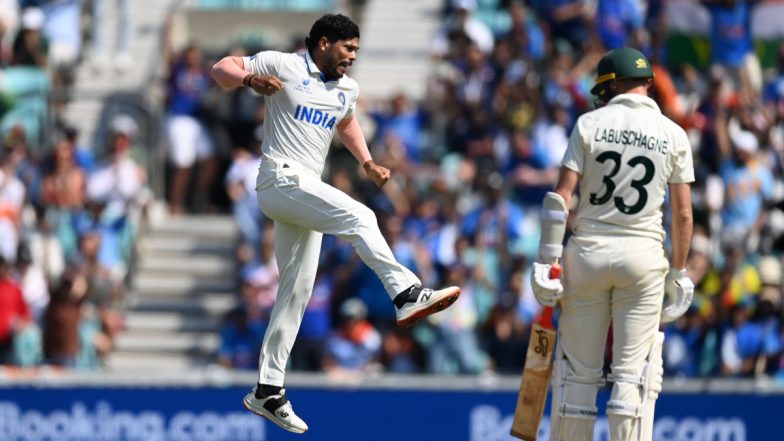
x=620, y=64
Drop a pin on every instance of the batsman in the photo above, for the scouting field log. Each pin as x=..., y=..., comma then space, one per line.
x=624, y=155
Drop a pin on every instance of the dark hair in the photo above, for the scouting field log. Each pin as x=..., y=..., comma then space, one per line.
x=335, y=27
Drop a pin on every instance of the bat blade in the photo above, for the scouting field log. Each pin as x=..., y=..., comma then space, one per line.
x=535, y=383
x=536, y=375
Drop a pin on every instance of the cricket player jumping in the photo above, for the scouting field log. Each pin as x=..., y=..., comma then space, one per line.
x=309, y=98
x=623, y=156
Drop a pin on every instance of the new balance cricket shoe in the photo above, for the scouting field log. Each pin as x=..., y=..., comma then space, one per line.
x=417, y=303
x=277, y=409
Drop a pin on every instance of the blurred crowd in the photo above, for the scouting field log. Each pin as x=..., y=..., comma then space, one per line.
x=471, y=163
x=69, y=212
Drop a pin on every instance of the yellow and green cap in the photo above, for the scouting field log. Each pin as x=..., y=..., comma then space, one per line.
x=620, y=64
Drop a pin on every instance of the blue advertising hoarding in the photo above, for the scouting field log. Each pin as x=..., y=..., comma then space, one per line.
x=216, y=414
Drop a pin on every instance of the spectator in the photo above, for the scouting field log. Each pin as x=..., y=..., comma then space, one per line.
x=681, y=354
x=405, y=121
x=400, y=352
x=748, y=184
x=115, y=192
x=23, y=164
x=731, y=43
x=620, y=23
x=525, y=32
x=45, y=249
x=505, y=337
x=31, y=47
x=188, y=138
x=354, y=346
x=119, y=179
x=9, y=20
x=105, y=294
x=63, y=193
x=455, y=348
x=243, y=330
x=460, y=21
x=14, y=314
x=12, y=198
x=240, y=184
x=308, y=351
x=32, y=282
x=496, y=222
x=567, y=20
x=61, y=322
x=742, y=343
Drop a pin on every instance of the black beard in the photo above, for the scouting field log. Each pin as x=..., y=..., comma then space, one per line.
x=332, y=75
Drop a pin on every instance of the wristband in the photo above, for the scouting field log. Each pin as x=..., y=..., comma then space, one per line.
x=680, y=272
x=247, y=80
x=367, y=164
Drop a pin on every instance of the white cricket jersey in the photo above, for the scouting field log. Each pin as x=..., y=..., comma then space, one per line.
x=301, y=119
x=627, y=153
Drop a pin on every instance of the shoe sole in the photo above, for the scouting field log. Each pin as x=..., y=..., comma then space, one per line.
x=432, y=309
x=264, y=413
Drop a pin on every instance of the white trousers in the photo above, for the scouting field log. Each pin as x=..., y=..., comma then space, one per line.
x=618, y=279
x=303, y=208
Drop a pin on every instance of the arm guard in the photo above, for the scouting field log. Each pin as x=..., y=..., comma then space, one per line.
x=553, y=219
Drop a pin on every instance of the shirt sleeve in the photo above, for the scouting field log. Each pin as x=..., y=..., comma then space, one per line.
x=264, y=63
x=574, y=158
x=352, y=107
x=682, y=162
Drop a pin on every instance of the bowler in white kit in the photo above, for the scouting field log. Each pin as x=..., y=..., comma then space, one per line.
x=309, y=98
x=624, y=156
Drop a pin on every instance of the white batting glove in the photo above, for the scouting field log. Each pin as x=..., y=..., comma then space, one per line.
x=679, y=290
x=546, y=290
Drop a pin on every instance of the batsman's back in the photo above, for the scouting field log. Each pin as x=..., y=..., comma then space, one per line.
x=627, y=153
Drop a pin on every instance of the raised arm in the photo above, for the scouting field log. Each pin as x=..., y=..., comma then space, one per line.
x=230, y=72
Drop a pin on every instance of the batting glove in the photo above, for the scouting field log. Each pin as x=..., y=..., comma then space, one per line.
x=546, y=290
x=680, y=290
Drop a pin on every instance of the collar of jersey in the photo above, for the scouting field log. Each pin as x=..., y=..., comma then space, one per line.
x=314, y=70
x=634, y=100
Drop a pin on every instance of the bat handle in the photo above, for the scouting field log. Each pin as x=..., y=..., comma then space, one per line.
x=555, y=271
x=546, y=319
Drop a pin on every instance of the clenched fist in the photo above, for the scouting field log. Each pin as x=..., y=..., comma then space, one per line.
x=264, y=84
x=378, y=174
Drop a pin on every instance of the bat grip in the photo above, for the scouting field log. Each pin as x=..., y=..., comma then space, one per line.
x=546, y=318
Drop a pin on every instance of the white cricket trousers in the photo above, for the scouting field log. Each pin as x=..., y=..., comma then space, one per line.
x=303, y=207
x=618, y=279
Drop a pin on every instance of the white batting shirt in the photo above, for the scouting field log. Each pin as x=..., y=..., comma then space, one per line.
x=627, y=152
x=301, y=118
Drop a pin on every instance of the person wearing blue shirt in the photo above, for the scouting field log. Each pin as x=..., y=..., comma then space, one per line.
x=748, y=185
x=189, y=140
x=617, y=21
x=731, y=41
x=403, y=121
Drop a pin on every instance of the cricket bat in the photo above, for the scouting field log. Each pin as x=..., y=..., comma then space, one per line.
x=536, y=375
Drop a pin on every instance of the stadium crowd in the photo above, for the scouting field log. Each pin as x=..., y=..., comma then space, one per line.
x=68, y=211
x=471, y=162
